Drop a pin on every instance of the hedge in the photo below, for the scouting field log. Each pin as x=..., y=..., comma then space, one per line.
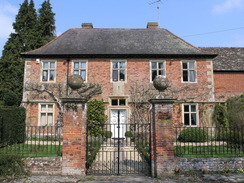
x=12, y=125
x=193, y=134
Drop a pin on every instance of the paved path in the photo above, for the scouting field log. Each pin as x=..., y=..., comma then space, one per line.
x=127, y=160
x=207, y=178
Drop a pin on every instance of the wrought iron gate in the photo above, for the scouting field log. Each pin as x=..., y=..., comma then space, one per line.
x=119, y=149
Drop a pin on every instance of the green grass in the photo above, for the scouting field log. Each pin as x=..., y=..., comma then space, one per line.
x=32, y=150
x=207, y=151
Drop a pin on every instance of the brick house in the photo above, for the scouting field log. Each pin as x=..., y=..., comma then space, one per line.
x=228, y=69
x=117, y=59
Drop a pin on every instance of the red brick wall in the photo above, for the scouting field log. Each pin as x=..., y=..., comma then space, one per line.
x=228, y=84
x=138, y=70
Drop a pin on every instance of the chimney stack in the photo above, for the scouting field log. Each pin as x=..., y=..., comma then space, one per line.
x=87, y=25
x=152, y=25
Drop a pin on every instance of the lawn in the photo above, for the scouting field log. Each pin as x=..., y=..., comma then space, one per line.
x=207, y=151
x=33, y=150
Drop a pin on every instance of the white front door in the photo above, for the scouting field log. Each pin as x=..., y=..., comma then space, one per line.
x=118, y=123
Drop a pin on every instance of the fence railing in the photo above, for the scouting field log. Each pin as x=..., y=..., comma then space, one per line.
x=209, y=141
x=36, y=141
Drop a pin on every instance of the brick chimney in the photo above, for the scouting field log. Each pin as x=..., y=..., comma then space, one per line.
x=87, y=25
x=152, y=25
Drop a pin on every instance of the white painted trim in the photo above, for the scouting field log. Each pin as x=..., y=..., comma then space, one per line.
x=39, y=111
x=197, y=114
x=72, y=67
x=150, y=68
x=111, y=71
x=181, y=70
x=55, y=77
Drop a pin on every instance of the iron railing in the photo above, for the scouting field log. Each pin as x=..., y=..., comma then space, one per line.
x=119, y=149
x=37, y=141
x=209, y=141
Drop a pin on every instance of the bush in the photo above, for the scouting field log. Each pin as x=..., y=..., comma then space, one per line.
x=11, y=166
x=235, y=111
x=220, y=115
x=10, y=98
x=193, y=135
x=12, y=125
x=95, y=117
x=129, y=134
x=235, y=137
x=108, y=134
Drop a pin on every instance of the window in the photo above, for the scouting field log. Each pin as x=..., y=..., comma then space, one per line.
x=188, y=71
x=190, y=114
x=157, y=68
x=48, y=70
x=79, y=67
x=46, y=114
x=118, y=102
x=118, y=70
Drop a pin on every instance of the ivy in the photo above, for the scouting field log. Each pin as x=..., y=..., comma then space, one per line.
x=95, y=117
x=235, y=111
x=220, y=115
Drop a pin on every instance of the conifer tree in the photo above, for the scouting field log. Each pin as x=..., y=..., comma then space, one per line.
x=24, y=39
x=31, y=32
x=46, y=23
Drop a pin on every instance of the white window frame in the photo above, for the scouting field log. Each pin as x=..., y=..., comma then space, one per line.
x=188, y=71
x=111, y=71
x=80, y=69
x=48, y=70
x=46, y=112
x=190, y=112
x=118, y=99
x=157, y=69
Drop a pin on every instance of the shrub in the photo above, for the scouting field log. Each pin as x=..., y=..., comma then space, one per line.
x=193, y=135
x=222, y=133
x=12, y=125
x=235, y=111
x=10, y=98
x=11, y=166
x=108, y=134
x=220, y=115
x=95, y=117
x=235, y=137
x=129, y=134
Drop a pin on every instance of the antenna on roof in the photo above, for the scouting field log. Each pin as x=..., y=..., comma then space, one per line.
x=157, y=3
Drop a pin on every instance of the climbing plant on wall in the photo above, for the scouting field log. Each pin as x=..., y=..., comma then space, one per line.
x=95, y=117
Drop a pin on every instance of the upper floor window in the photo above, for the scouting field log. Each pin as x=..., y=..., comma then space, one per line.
x=46, y=115
x=157, y=68
x=190, y=114
x=118, y=102
x=188, y=71
x=118, y=70
x=79, y=67
x=48, y=70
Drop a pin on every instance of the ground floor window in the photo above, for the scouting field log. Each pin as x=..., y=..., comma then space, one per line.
x=46, y=114
x=190, y=114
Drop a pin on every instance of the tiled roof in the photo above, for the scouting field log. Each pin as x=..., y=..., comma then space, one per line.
x=228, y=59
x=93, y=42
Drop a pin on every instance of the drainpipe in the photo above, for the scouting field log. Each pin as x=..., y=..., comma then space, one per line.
x=67, y=75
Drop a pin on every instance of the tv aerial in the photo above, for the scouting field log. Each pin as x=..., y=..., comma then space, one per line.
x=157, y=4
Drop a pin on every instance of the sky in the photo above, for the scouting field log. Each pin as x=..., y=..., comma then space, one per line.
x=205, y=23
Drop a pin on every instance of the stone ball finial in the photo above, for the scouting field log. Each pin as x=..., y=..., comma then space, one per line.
x=75, y=81
x=161, y=83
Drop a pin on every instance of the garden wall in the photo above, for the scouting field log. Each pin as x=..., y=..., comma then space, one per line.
x=209, y=164
x=52, y=165
x=45, y=165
